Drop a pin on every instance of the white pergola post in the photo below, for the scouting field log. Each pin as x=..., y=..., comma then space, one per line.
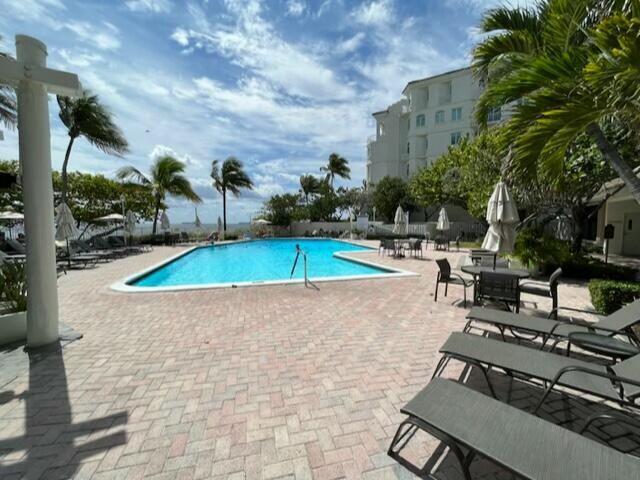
x=33, y=81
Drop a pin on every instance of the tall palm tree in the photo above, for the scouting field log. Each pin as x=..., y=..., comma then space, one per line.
x=165, y=178
x=229, y=177
x=337, y=166
x=571, y=64
x=86, y=117
x=309, y=185
x=8, y=107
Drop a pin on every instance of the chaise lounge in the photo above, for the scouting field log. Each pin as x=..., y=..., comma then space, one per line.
x=530, y=447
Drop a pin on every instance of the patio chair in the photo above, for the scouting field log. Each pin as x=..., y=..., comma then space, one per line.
x=618, y=383
x=102, y=243
x=441, y=243
x=499, y=287
x=388, y=245
x=484, y=258
x=446, y=276
x=617, y=324
x=468, y=421
x=82, y=247
x=415, y=247
x=547, y=289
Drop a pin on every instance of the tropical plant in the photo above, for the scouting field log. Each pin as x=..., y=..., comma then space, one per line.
x=13, y=286
x=337, y=166
x=565, y=66
x=309, y=185
x=166, y=177
x=8, y=107
x=229, y=177
x=86, y=117
x=281, y=210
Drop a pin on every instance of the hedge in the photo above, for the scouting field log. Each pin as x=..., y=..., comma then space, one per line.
x=607, y=296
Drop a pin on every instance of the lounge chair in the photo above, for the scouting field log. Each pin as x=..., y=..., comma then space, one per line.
x=16, y=257
x=447, y=277
x=528, y=446
x=16, y=246
x=102, y=244
x=117, y=242
x=619, y=383
x=81, y=247
x=619, y=323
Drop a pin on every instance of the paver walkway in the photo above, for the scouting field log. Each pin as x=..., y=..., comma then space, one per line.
x=255, y=383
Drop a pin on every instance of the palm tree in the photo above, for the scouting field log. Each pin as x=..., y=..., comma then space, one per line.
x=8, y=113
x=230, y=176
x=85, y=116
x=309, y=185
x=337, y=166
x=165, y=178
x=570, y=65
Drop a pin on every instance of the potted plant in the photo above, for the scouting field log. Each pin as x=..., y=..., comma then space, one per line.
x=13, y=302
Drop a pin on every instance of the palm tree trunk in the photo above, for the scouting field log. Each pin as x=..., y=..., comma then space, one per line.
x=621, y=167
x=155, y=217
x=64, y=170
x=224, y=210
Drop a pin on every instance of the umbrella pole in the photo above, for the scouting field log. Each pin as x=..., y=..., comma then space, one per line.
x=68, y=254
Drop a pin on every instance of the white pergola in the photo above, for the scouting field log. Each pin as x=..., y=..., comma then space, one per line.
x=33, y=81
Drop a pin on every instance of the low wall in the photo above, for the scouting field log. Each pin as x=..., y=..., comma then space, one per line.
x=300, y=229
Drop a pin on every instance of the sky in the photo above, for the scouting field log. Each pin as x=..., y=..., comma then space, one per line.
x=280, y=84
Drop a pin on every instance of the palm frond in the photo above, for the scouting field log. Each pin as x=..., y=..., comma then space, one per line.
x=132, y=173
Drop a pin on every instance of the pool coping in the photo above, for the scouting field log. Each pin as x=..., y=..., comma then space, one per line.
x=124, y=287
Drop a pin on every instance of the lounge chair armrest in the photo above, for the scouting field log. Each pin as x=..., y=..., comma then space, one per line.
x=535, y=284
x=462, y=279
x=610, y=375
x=624, y=419
x=571, y=309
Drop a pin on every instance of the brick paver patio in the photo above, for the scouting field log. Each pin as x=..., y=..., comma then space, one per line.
x=255, y=383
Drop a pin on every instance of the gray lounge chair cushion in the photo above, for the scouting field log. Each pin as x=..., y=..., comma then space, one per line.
x=630, y=368
x=525, y=322
x=527, y=445
x=529, y=362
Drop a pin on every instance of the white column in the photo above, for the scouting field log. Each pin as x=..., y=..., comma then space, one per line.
x=35, y=159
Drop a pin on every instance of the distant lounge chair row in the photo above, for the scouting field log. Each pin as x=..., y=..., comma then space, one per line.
x=471, y=423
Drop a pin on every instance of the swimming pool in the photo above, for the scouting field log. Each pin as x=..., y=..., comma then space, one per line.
x=256, y=262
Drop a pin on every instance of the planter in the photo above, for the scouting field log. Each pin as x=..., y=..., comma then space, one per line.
x=13, y=327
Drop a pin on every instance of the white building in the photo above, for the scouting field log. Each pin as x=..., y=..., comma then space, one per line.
x=436, y=112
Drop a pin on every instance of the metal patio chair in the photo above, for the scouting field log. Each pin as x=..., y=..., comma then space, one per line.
x=499, y=287
x=547, y=289
x=447, y=277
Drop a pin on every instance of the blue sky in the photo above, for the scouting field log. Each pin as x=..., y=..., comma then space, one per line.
x=280, y=83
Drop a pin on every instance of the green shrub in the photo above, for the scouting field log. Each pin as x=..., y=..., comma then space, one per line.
x=583, y=267
x=607, y=296
x=13, y=286
x=534, y=247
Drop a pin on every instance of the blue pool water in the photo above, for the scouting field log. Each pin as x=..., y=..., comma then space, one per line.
x=257, y=261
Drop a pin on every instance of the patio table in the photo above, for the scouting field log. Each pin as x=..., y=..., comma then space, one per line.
x=474, y=271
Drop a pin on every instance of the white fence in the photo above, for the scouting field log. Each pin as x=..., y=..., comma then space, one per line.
x=428, y=229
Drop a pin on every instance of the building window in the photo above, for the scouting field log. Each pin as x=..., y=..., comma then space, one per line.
x=445, y=93
x=440, y=116
x=408, y=147
x=456, y=114
x=494, y=115
x=420, y=121
x=455, y=138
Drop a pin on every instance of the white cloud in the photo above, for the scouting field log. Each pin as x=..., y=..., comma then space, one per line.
x=252, y=43
x=94, y=35
x=181, y=36
x=295, y=8
x=155, y=6
x=81, y=58
x=375, y=12
x=31, y=9
x=161, y=150
x=351, y=44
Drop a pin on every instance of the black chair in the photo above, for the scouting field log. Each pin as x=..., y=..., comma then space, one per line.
x=441, y=243
x=446, y=276
x=499, y=287
x=415, y=247
x=547, y=289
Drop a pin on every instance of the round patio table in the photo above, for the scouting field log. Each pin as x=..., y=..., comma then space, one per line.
x=603, y=345
x=474, y=271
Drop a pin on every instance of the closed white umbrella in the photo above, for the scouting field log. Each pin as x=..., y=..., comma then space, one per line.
x=220, y=234
x=399, y=221
x=164, y=221
x=131, y=221
x=502, y=216
x=197, y=221
x=65, y=226
x=261, y=221
x=443, y=220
